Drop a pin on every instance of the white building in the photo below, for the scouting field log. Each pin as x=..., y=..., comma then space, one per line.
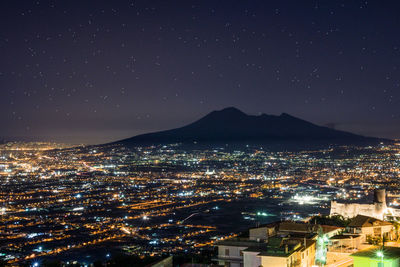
x=280, y=244
x=377, y=209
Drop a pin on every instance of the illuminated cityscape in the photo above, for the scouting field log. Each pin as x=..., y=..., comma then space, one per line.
x=74, y=203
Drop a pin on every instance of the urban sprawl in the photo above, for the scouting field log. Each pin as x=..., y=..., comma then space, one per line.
x=247, y=206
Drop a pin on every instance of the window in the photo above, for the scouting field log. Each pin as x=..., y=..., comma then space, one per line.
x=227, y=252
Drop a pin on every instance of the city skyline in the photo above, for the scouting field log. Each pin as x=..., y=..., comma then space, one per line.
x=101, y=71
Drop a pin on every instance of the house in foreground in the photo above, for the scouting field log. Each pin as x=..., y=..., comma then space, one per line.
x=278, y=251
x=369, y=227
x=281, y=244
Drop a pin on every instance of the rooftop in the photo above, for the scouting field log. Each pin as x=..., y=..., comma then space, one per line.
x=276, y=246
x=365, y=221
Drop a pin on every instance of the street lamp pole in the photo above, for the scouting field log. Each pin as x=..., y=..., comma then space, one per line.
x=380, y=254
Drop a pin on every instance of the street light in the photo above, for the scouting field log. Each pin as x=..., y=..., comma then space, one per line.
x=379, y=253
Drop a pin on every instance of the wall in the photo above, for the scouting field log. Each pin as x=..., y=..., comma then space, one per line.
x=251, y=259
x=268, y=261
x=234, y=252
x=370, y=231
x=309, y=259
x=234, y=257
x=350, y=210
x=261, y=233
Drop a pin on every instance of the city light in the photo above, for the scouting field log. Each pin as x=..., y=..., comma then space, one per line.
x=158, y=212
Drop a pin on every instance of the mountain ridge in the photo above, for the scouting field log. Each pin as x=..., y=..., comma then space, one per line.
x=233, y=125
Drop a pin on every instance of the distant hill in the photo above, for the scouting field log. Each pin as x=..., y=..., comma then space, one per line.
x=232, y=125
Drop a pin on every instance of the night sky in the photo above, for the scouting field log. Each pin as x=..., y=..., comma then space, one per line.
x=98, y=71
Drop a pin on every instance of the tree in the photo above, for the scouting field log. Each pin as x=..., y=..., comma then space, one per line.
x=322, y=247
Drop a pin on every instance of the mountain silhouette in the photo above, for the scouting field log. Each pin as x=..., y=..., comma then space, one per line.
x=232, y=125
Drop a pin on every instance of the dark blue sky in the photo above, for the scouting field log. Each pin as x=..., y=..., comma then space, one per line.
x=97, y=71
